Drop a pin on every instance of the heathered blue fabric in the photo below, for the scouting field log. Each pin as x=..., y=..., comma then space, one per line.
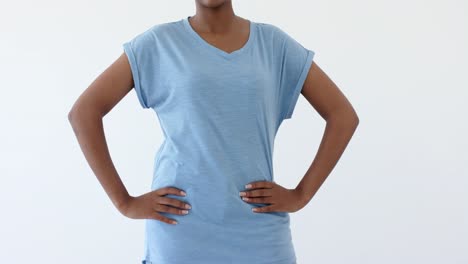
x=219, y=113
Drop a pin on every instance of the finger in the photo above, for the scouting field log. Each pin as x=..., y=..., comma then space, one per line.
x=260, y=184
x=265, y=200
x=264, y=209
x=169, y=190
x=173, y=202
x=169, y=209
x=257, y=193
x=164, y=219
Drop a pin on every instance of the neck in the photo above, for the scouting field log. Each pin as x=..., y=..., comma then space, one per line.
x=217, y=19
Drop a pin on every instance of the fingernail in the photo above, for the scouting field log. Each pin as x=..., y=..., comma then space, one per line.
x=183, y=193
x=184, y=211
x=242, y=193
x=248, y=186
x=188, y=206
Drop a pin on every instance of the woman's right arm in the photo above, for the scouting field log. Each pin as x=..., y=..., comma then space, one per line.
x=86, y=120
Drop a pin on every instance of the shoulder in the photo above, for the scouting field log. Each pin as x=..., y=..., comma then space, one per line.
x=155, y=32
x=271, y=32
x=165, y=28
x=264, y=27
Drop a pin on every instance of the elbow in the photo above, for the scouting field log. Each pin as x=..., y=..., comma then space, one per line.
x=346, y=117
x=81, y=113
x=73, y=115
x=350, y=116
x=70, y=116
x=355, y=120
x=72, y=120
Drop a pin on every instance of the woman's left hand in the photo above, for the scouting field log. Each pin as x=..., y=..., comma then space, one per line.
x=280, y=199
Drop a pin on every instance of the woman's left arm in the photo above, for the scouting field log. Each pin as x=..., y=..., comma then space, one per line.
x=342, y=121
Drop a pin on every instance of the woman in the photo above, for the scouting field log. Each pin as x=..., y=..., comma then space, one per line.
x=221, y=86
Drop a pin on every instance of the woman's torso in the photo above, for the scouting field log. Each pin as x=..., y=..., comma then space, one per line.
x=219, y=113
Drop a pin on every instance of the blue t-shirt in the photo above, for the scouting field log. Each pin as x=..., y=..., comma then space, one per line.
x=219, y=113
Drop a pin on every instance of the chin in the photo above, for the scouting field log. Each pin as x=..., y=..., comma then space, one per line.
x=212, y=3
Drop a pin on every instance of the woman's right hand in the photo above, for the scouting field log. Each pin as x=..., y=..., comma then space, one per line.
x=148, y=205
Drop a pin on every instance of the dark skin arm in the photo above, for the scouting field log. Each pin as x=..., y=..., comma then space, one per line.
x=341, y=122
x=86, y=120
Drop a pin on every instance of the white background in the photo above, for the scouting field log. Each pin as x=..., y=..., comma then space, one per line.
x=397, y=195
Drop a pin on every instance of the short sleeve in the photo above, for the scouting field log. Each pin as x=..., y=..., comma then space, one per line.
x=295, y=63
x=139, y=57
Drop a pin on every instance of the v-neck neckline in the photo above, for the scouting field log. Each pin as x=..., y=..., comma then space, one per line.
x=215, y=49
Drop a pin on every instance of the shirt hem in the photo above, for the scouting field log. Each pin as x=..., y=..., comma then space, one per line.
x=292, y=260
